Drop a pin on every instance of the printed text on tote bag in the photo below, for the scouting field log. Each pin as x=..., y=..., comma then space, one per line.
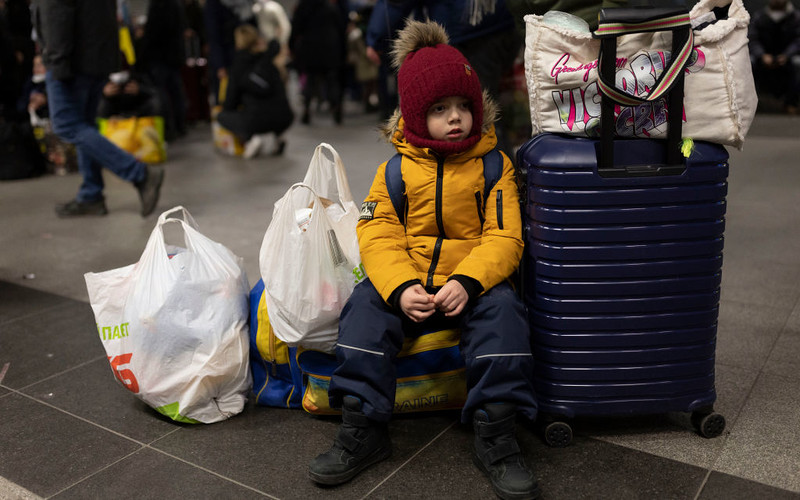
x=579, y=107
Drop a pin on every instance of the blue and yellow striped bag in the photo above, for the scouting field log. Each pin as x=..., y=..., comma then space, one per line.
x=430, y=370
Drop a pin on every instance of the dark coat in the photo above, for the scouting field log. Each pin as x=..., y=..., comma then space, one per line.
x=78, y=37
x=163, y=41
x=318, y=36
x=256, y=93
x=768, y=37
x=219, y=22
x=388, y=17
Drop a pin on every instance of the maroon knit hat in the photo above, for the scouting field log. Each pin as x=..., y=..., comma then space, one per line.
x=431, y=70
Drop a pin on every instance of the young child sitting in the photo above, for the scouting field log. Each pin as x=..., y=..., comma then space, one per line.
x=446, y=263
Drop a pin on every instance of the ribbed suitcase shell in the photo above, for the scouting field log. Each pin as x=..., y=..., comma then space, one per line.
x=621, y=276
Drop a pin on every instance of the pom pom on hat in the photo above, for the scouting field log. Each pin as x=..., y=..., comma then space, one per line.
x=430, y=70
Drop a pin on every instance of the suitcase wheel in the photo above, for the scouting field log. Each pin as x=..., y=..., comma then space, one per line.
x=709, y=425
x=558, y=434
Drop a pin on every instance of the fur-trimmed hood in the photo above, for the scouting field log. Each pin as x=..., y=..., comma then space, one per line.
x=491, y=113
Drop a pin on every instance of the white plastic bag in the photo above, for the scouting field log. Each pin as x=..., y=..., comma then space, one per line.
x=326, y=176
x=309, y=258
x=174, y=325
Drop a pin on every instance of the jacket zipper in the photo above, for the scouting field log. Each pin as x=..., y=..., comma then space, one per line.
x=439, y=220
x=479, y=203
x=500, y=208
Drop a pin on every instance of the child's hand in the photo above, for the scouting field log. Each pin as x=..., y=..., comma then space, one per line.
x=451, y=298
x=111, y=89
x=416, y=303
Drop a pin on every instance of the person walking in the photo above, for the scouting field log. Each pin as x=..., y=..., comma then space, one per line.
x=80, y=47
x=163, y=54
x=318, y=48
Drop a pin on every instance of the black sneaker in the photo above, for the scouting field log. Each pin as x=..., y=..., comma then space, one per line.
x=497, y=454
x=279, y=148
x=359, y=443
x=77, y=208
x=149, y=188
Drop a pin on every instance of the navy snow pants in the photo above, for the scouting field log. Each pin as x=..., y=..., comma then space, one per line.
x=495, y=344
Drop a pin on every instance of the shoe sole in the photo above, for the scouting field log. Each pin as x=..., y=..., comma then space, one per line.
x=149, y=210
x=89, y=214
x=505, y=494
x=63, y=214
x=336, y=479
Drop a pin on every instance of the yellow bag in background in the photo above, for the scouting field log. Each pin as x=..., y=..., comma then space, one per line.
x=142, y=136
x=224, y=140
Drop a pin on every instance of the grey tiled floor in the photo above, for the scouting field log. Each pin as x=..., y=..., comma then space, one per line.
x=67, y=430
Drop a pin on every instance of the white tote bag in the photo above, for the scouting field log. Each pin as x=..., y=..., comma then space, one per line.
x=174, y=325
x=720, y=98
x=309, y=259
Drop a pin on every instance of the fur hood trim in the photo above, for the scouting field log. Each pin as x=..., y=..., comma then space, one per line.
x=414, y=36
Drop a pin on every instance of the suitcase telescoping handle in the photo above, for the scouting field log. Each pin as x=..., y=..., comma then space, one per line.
x=624, y=21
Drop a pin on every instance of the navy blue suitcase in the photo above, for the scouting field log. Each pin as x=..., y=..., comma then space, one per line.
x=621, y=277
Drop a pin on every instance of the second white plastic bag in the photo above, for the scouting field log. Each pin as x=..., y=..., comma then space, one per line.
x=309, y=259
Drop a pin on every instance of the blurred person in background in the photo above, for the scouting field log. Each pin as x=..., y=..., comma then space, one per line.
x=775, y=51
x=162, y=53
x=364, y=72
x=256, y=102
x=318, y=51
x=274, y=24
x=16, y=65
x=221, y=17
x=80, y=48
x=128, y=93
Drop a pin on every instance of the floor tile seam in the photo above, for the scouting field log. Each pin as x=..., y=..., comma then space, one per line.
x=83, y=419
x=759, y=375
x=98, y=471
x=23, y=492
x=61, y=304
x=709, y=469
x=59, y=374
x=777, y=339
x=412, y=457
x=703, y=485
x=209, y=471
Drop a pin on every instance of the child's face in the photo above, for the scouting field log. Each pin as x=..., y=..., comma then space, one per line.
x=450, y=119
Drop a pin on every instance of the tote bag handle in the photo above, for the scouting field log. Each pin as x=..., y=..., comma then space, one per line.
x=625, y=21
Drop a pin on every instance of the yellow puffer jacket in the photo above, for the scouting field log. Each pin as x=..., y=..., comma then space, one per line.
x=447, y=232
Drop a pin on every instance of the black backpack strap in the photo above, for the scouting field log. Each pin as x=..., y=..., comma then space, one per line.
x=395, y=186
x=492, y=171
